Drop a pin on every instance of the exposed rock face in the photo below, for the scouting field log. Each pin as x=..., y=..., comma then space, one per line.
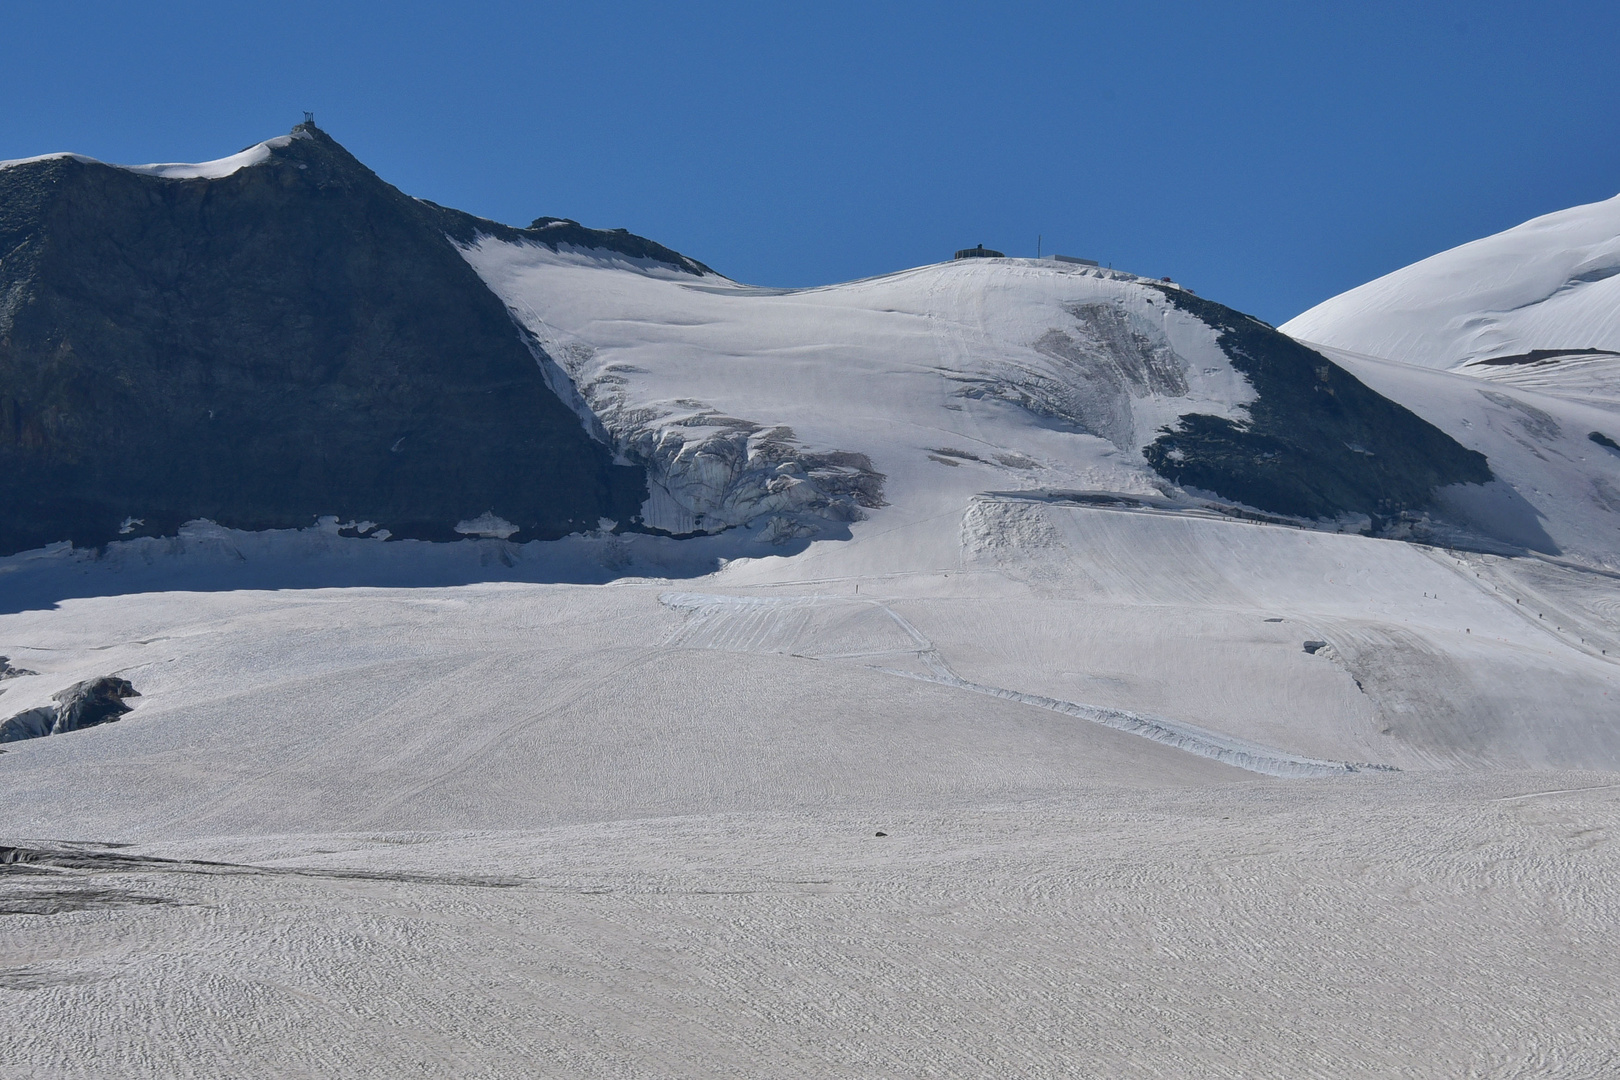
x=82, y=705
x=1316, y=443
x=9, y=671
x=292, y=340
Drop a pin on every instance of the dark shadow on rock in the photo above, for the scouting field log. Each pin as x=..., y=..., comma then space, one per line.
x=7, y=671
x=1315, y=442
x=293, y=339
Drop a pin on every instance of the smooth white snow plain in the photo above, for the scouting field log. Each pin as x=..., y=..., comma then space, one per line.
x=917, y=765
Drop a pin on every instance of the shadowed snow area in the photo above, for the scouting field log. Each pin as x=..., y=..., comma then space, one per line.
x=260, y=342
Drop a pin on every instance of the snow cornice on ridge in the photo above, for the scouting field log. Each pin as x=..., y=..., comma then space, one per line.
x=218, y=169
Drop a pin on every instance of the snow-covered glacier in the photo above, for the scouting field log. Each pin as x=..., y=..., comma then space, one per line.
x=1009, y=667
x=1551, y=285
x=812, y=407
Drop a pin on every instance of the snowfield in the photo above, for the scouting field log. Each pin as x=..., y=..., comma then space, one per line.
x=1551, y=283
x=938, y=736
x=1024, y=373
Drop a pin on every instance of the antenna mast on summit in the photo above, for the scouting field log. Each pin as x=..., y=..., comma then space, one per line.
x=309, y=118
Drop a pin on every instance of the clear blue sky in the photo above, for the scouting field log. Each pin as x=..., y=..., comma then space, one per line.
x=1269, y=154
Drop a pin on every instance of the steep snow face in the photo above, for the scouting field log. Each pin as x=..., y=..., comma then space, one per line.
x=814, y=406
x=1552, y=283
x=204, y=170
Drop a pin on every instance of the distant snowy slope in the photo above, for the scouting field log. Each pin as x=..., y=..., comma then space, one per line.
x=809, y=408
x=1552, y=283
x=1557, y=489
x=932, y=381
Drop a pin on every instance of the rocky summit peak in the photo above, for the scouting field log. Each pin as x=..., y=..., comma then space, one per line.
x=263, y=345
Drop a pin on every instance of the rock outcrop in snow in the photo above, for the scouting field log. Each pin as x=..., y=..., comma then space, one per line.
x=82, y=705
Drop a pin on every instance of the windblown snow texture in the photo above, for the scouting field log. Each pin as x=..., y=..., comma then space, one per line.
x=260, y=346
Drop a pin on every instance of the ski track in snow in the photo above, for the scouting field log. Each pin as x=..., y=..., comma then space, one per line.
x=753, y=624
x=1284, y=928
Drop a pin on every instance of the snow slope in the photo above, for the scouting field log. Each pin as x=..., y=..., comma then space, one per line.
x=963, y=744
x=1552, y=283
x=958, y=378
x=1511, y=344
x=962, y=441
x=1438, y=927
x=1557, y=490
x=597, y=831
x=914, y=389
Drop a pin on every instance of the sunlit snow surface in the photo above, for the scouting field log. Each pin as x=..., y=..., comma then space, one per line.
x=1027, y=375
x=1551, y=283
x=611, y=806
x=1421, y=335
x=205, y=170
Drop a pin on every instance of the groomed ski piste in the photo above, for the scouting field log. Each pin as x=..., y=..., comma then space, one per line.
x=923, y=730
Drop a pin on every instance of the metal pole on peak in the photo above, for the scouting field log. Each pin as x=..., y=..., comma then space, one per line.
x=309, y=118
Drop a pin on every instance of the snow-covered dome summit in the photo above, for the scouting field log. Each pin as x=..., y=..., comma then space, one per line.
x=1550, y=285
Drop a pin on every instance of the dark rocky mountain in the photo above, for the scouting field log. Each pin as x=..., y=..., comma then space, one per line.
x=1316, y=442
x=90, y=703
x=294, y=339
